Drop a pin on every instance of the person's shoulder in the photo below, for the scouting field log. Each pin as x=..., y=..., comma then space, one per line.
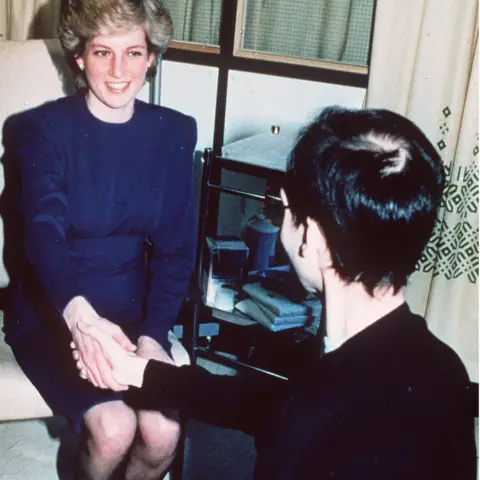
x=445, y=355
x=50, y=117
x=435, y=359
x=167, y=119
x=54, y=110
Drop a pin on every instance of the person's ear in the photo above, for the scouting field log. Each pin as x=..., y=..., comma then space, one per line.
x=80, y=62
x=315, y=237
x=151, y=60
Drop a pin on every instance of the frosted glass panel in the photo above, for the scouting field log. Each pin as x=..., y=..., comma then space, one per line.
x=196, y=21
x=329, y=30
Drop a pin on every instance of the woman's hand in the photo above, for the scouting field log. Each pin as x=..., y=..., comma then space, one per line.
x=127, y=368
x=97, y=369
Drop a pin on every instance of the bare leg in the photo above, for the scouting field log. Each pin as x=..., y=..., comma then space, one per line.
x=110, y=429
x=154, y=450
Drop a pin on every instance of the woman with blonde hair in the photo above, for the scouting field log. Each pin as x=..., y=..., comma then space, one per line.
x=105, y=199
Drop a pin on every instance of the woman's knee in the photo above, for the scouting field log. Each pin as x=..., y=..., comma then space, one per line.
x=159, y=430
x=111, y=429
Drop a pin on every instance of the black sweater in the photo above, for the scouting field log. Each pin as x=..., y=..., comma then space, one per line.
x=391, y=403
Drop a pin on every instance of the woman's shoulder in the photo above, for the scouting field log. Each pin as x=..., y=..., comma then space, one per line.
x=61, y=107
x=166, y=118
x=56, y=115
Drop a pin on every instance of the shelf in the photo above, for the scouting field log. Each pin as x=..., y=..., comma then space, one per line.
x=265, y=150
x=239, y=334
x=232, y=317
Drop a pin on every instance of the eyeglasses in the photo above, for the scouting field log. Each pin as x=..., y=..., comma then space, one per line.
x=273, y=209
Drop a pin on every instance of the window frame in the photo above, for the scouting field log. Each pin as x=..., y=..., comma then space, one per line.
x=194, y=47
x=224, y=58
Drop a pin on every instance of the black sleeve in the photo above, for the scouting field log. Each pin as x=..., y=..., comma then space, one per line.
x=241, y=402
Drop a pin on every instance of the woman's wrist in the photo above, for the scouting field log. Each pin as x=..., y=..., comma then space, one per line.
x=76, y=309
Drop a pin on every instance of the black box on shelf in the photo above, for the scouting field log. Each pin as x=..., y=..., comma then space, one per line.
x=225, y=259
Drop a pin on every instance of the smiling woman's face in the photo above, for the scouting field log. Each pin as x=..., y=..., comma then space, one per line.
x=115, y=67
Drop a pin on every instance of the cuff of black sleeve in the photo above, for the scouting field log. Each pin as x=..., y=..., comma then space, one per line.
x=158, y=388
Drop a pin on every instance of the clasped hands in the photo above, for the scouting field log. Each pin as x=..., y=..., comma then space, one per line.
x=104, y=355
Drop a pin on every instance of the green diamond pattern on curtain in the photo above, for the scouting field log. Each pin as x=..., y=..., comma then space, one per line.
x=453, y=248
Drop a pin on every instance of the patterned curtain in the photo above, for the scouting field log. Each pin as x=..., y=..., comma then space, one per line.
x=425, y=65
x=27, y=19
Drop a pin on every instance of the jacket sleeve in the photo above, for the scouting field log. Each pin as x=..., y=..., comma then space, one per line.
x=173, y=255
x=42, y=203
x=242, y=402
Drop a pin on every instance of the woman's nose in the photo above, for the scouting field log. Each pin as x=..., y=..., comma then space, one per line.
x=116, y=67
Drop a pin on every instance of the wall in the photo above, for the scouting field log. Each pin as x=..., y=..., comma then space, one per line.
x=191, y=89
x=254, y=101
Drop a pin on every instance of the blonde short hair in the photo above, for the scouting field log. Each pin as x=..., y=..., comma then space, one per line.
x=83, y=19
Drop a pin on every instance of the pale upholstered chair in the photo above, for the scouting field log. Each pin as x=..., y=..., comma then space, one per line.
x=28, y=77
x=32, y=72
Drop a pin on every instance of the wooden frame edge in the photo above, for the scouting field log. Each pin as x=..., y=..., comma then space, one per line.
x=239, y=24
x=194, y=47
x=308, y=62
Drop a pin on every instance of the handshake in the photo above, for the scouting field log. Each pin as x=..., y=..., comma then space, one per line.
x=114, y=360
x=104, y=355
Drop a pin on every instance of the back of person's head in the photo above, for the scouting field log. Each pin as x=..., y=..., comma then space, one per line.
x=373, y=182
x=82, y=20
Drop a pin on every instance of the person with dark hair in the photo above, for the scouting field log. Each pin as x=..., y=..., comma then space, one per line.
x=105, y=198
x=387, y=399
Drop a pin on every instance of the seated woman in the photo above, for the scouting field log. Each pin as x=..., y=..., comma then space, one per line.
x=105, y=199
x=388, y=400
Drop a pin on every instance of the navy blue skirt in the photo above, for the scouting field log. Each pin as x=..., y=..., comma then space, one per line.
x=49, y=364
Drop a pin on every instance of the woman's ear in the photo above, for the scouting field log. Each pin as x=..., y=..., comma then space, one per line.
x=80, y=62
x=315, y=237
x=151, y=60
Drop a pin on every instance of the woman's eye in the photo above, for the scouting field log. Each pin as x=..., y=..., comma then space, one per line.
x=135, y=53
x=101, y=53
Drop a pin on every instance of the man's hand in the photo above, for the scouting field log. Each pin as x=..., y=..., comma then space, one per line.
x=97, y=369
x=150, y=349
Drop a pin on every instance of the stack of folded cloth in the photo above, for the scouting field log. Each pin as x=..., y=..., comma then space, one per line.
x=276, y=311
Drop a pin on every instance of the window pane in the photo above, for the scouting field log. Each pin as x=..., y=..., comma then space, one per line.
x=196, y=21
x=329, y=30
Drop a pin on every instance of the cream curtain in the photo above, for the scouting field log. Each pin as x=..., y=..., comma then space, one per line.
x=333, y=30
x=25, y=19
x=305, y=28
x=196, y=20
x=425, y=65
